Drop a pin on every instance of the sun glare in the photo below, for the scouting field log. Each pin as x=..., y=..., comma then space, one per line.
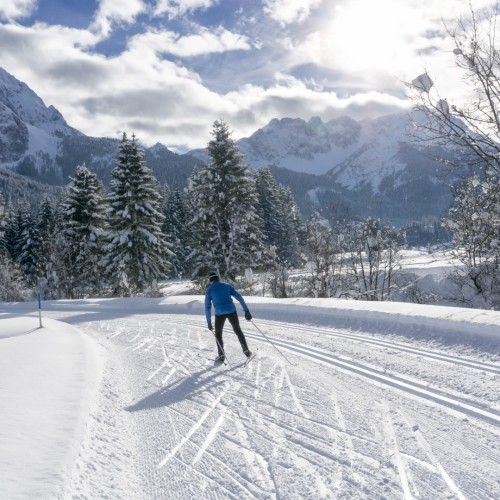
x=367, y=35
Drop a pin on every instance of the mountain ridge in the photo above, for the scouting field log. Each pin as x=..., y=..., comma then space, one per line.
x=370, y=166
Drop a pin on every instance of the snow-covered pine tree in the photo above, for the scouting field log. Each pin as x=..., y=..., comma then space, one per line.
x=80, y=241
x=225, y=225
x=281, y=223
x=291, y=228
x=45, y=223
x=267, y=204
x=138, y=253
x=10, y=231
x=12, y=283
x=3, y=223
x=175, y=227
x=26, y=245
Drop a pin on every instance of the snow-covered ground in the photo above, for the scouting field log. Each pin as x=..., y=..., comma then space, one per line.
x=119, y=399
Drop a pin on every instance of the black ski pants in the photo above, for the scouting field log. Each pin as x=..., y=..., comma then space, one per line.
x=235, y=323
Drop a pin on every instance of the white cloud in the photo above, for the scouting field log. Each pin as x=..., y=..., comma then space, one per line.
x=136, y=90
x=175, y=8
x=11, y=10
x=116, y=12
x=204, y=42
x=141, y=90
x=289, y=11
x=291, y=98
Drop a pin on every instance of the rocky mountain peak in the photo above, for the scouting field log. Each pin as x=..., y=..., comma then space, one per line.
x=29, y=130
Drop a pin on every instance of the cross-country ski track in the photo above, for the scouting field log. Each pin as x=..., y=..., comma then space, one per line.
x=401, y=406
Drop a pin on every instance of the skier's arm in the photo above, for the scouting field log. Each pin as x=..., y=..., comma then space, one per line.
x=208, y=307
x=239, y=298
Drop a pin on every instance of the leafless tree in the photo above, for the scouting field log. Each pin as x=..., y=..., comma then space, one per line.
x=470, y=133
x=471, y=129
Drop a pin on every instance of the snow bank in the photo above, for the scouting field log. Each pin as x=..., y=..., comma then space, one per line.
x=450, y=325
x=49, y=378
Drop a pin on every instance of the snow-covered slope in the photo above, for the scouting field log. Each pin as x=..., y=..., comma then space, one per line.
x=344, y=400
x=50, y=377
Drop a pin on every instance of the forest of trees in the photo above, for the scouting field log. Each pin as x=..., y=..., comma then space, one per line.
x=228, y=219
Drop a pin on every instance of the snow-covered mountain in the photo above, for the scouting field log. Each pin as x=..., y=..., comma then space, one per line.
x=352, y=153
x=312, y=146
x=30, y=132
x=36, y=141
x=371, y=167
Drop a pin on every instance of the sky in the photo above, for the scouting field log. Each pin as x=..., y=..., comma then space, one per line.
x=167, y=69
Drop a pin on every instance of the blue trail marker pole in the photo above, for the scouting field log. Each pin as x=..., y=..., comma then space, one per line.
x=39, y=296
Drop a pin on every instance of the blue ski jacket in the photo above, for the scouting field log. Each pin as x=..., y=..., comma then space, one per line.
x=220, y=294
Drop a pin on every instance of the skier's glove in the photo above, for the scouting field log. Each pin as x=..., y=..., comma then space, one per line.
x=248, y=316
x=210, y=327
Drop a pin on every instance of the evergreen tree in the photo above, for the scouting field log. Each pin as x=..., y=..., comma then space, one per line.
x=12, y=284
x=291, y=229
x=281, y=224
x=26, y=243
x=3, y=224
x=45, y=224
x=80, y=241
x=10, y=231
x=138, y=251
x=227, y=238
x=268, y=205
x=175, y=227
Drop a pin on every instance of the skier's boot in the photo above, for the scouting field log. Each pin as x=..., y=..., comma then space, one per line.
x=219, y=359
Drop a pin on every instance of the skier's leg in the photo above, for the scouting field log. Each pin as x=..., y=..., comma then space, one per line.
x=219, y=325
x=235, y=323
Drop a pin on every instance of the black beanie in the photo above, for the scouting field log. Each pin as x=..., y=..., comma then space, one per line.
x=213, y=277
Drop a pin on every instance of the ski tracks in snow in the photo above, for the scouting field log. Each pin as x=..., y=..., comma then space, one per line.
x=325, y=428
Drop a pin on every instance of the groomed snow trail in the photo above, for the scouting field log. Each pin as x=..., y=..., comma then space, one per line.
x=355, y=415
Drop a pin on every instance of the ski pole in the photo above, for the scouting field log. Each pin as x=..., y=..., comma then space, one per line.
x=264, y=335
x=222, y=349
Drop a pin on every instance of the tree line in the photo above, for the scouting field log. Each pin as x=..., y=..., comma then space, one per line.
x=228, y=220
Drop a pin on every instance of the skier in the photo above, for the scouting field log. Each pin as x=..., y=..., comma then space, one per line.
x=219, y=293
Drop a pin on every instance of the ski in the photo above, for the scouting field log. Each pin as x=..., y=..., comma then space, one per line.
x=247, y=362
